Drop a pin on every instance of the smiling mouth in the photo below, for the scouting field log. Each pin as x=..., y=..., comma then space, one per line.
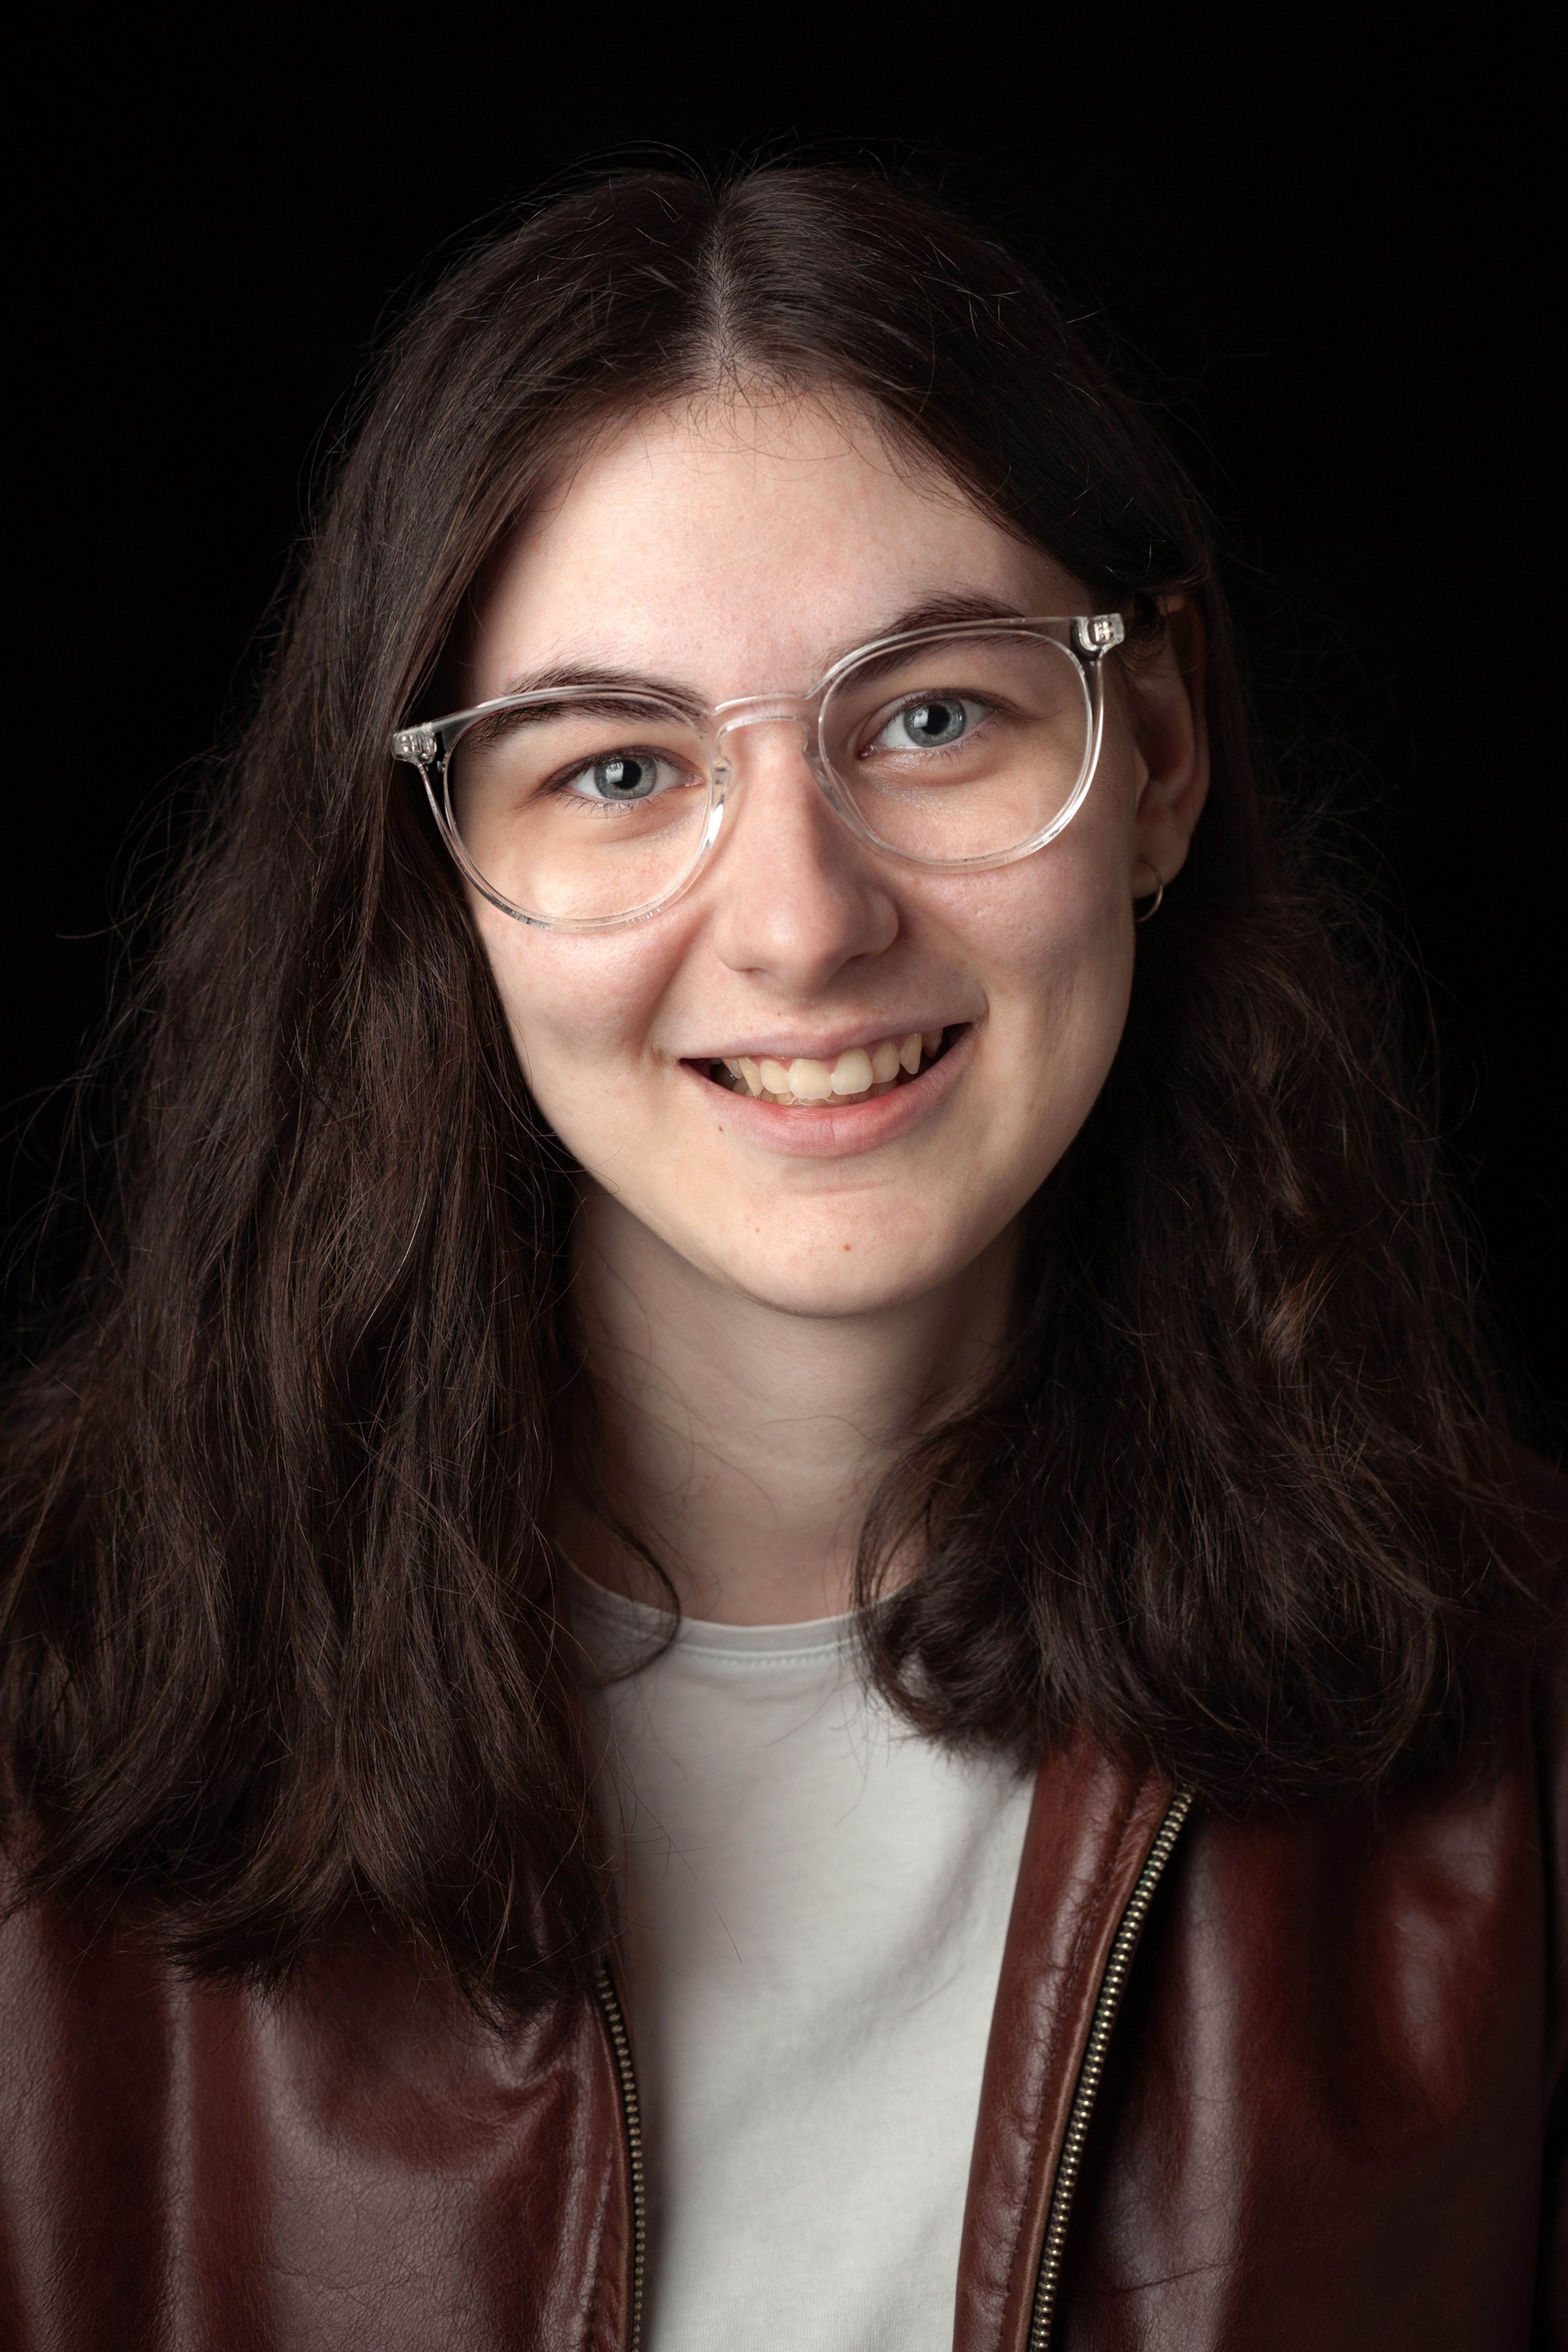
x=857, y=1076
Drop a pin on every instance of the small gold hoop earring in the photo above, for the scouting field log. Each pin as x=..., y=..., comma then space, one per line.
x=1152, y=909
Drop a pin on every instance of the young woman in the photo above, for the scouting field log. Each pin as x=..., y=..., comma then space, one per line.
x=769, y=1593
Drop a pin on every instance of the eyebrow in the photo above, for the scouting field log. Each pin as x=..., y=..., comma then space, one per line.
x=603, y=675
x=932, y=611
x=929, y=614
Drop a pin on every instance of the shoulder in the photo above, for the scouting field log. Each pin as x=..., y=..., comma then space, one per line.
x=351, y=2129
x=1432, y=1920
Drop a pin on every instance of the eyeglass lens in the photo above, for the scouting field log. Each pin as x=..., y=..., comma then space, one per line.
x=955, y=748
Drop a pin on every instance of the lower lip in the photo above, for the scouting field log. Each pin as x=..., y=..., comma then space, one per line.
x=858, y=1127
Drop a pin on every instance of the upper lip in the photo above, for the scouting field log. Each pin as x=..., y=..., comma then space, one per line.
x=797, y=1048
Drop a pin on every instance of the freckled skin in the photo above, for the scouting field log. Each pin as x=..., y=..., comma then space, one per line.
x=741, y=550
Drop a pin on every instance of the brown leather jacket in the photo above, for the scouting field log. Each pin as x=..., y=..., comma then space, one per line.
x=1292, y=2082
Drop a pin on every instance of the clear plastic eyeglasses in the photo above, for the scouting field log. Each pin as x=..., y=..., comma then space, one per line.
x=592, y=803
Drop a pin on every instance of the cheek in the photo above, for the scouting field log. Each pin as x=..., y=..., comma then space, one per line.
x=1055, y=946
x=1053, y=938
x=578, y=1009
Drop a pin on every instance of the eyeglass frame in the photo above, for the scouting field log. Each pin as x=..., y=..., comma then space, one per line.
x=430, y=746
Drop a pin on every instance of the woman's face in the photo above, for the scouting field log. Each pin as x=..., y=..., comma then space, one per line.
x=739, y=548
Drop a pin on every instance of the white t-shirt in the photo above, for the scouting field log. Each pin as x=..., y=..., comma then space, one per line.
x=816, y=1899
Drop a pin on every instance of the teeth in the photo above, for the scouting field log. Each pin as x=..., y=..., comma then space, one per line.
x=810, y=1081
x=859, y=1071
x=852, y=1072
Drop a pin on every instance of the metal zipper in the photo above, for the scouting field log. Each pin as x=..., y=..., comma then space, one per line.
x=631, y=2115
x=1112, y=1984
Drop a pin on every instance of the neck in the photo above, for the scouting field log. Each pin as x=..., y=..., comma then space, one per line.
x=742, y=1442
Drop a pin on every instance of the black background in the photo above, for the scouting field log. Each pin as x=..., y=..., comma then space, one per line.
x=1317, y=243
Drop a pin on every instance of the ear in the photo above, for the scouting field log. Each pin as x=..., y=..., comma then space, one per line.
x=1171, y=725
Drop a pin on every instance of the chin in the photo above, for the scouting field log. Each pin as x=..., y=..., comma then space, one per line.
x=869, y=1277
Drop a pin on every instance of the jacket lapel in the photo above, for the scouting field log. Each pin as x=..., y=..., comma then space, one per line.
x=1093, y=1822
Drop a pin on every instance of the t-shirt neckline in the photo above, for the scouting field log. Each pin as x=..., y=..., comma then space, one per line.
x=623, y=1620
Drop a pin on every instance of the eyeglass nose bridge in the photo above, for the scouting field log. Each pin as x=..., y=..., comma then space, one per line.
x=797, y=710
x=767, y=711
x=800, y=710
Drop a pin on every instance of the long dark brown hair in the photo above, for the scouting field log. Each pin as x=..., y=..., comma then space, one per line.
x=280, y=1599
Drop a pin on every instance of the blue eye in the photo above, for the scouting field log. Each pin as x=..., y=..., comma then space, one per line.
x=624, y=776
x=929, y=726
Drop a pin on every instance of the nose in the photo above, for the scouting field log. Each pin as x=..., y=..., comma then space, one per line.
x=797, y=897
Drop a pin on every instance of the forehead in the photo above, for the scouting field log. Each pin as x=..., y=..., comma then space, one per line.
x=741, y=543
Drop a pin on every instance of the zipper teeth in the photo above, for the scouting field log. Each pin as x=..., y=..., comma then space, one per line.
x=1111, y=1985
x=620, y=2041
